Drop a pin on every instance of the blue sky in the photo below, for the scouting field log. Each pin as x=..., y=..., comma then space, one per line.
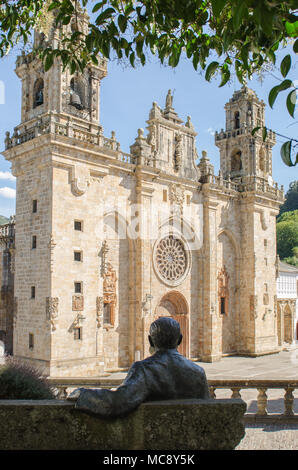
x=126, y=99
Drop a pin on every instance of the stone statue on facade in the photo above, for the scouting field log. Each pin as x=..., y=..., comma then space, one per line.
x=165, y=375
x=169, y=99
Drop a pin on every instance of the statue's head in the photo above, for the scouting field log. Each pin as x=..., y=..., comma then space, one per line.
x=165, y=333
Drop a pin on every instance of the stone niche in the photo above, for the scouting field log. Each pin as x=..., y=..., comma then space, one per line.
x=172, y=425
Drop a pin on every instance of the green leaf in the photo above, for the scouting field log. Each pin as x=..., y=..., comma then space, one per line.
x=285, y=84
x=273, y=95
x=104, y=16
x=54, y=5
x=225, y=76
x=73, y=67
x=122, y=22
x=48, y=62
x=295, y=46
x=255, y=129
x=132, y=59
x=264, y=133
x=285, y=65
x=195, y=60
x=277, y=89
x=285, y=152
x=291, y=102
x=239, y=71
x=98, y=6
x=238, y=14
x=211, y=69
x=292, y=28
x=217, y=6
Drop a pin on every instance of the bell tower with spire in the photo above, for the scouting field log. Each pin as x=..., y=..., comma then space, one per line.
x=242, y=152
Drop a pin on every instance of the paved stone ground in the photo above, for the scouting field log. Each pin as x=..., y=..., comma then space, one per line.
x=270, y=437
x=276, y=366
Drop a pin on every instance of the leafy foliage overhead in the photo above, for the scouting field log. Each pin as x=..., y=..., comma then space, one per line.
x=218, y=36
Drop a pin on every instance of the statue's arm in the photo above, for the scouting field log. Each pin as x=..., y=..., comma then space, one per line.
x=110, y=403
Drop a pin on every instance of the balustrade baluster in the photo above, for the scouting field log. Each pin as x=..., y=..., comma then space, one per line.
x=262, y=402
x=212, y=392
x=289, y=401
x=236, y=392
x=62, y=393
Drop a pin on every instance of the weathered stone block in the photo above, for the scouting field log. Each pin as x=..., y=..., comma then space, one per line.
x=172, y=425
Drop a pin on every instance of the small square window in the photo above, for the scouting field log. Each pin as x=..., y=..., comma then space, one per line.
x=78, y=225
x=31, y=341
x=188, y=199
x=33, y=242
x=34, y=205
x=78, y=333
x=32, y=292
x=77, y=255
x=78, y=287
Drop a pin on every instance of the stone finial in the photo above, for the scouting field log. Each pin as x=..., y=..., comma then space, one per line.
x=140, y=133
x=188, y=123
x=204, y=156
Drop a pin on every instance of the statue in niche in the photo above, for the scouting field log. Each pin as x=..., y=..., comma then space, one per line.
x=165, y=375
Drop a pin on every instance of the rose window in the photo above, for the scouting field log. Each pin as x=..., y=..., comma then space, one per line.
x=171, y=258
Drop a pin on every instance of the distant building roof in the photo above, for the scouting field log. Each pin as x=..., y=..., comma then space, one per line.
x=287, y=268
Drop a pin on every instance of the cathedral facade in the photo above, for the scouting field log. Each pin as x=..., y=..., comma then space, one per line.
x=106, y=242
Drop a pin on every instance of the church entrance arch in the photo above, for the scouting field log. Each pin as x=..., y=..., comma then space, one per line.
x=174, y=305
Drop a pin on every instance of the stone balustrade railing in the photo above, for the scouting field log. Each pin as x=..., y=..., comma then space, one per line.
x=286, y=387
x=244, y=130
x=47, y=125
x=247, y=183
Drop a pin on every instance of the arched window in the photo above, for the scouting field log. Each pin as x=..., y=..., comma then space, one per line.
x=236, y=162
x=262, y=162
x=236, y=120
x=38, y=92
x=76, y=93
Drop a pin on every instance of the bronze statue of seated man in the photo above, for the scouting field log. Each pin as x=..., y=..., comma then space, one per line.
x=166, y=375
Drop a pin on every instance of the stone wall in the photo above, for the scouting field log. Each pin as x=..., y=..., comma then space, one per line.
x=178, y=425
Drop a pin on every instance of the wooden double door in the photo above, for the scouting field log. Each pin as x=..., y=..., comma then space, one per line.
x=174, y=305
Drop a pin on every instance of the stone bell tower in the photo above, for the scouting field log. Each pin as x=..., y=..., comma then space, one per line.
x=49, y=152
x=241, y=152
x=57, y=90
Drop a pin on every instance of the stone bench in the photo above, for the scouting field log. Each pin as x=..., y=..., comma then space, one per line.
x=172, y=425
